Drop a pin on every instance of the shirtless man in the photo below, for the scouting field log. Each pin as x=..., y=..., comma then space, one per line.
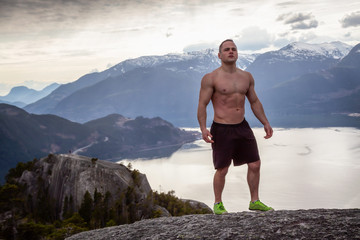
x=230, y=135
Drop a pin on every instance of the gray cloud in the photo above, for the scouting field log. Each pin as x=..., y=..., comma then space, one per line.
x=169, y=32
x=253, y=38
x=281, y=42
x=286, y=4
x=238, y=11
x=131, y=29
x=351, y=20
x=299, y=20
x=305, y=25
x=294, y=18
x=37, y=15
x=347, y=35
x=94, y=70
x=249, y=39
x=201, y=46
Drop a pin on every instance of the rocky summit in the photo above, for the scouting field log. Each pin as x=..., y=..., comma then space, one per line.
x=283, y=224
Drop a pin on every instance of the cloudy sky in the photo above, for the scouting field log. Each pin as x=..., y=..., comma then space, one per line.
x=45, y=41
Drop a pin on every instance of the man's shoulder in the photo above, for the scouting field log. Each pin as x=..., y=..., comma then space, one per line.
x=245, y=74
x=239, y=70
x=215, y=72
x=211, y=75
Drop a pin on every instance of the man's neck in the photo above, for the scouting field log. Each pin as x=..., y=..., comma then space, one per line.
x=229, y=68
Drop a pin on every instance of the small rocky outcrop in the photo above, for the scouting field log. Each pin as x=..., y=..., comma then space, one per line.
x=71, y=176
x=299, y=224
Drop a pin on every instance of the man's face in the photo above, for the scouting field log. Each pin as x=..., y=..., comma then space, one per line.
x=228, y=52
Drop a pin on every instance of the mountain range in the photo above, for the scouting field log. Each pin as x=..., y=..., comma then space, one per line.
x=149, y=86
x=195, y=61
x=308, y=89
x=25, y=136
x=21, y=96
x=168, y=86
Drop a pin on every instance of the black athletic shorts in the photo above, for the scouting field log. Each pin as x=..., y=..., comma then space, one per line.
x=233, y=142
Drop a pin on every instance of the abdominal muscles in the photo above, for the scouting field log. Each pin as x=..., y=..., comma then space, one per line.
x=229, y=109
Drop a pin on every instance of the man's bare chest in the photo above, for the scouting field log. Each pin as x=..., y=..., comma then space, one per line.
x=231, y=86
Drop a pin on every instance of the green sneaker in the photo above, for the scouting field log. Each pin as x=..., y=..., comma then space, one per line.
x=219, y=208
x=257, y=205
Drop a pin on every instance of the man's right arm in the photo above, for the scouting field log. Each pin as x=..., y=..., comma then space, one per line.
x=206, y=92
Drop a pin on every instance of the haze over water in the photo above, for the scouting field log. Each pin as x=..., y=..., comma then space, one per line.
x=301, y=168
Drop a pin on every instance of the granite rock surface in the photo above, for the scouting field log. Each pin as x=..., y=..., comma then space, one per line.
x=283, y=224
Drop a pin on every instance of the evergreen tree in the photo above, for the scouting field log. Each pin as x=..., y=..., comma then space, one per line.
x=86, y=207
x=98, y=212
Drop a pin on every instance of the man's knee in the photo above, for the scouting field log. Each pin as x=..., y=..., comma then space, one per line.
x=222, y=171
x=254, y=166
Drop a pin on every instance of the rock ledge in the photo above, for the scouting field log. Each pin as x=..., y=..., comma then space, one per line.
x=283, y=224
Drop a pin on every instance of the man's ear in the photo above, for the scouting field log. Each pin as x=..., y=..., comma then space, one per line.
x=219, y=56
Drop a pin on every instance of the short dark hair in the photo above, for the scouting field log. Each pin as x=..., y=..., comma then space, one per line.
x=227, y=40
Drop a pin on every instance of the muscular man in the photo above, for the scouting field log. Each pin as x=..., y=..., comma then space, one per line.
x=230, y=136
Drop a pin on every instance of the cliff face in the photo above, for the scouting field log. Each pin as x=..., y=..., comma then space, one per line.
x=68, y=175
x=300, y=224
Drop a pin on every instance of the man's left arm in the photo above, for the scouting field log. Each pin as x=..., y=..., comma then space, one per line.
x=257, y=108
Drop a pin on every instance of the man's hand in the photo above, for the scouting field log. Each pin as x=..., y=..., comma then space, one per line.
x=268, y=131
x=206, y=135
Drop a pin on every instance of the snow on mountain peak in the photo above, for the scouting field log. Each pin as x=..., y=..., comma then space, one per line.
x=291, y=52
x=336, y=50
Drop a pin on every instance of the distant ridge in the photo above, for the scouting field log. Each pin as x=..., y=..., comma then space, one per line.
x=21, y=96
x=25, y=136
